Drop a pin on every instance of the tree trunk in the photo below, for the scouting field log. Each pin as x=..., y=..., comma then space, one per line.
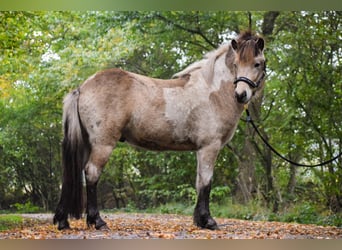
x=291, y=185
x=246, y=177
x=333, y=192
x=292, y=181
x=273, y=196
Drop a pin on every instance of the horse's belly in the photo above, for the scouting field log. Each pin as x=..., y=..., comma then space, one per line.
x=159, y=140
x=161, y=146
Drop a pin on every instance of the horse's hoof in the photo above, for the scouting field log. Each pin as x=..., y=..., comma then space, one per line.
x=97, y=222
x=206, y=223
x=103, y=228
x=63, y=225
x=101, y=225
x=211, y=224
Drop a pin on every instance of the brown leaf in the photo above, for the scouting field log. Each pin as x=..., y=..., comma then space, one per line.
x=156, y=226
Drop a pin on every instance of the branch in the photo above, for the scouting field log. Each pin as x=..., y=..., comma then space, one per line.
x=189, y=30
x=311, y=121
x=269, y=21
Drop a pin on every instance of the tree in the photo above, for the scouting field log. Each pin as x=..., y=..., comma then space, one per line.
x=44, y=55
x=308, y=126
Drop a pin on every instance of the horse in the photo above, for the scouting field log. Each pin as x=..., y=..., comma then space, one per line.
x=197, y=110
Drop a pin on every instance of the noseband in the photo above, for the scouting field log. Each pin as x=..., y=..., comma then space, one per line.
x=252, y=84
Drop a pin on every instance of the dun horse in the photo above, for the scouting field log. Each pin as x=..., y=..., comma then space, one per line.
x=198, y=111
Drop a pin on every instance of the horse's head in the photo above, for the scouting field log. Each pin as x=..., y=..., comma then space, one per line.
x=249, y=66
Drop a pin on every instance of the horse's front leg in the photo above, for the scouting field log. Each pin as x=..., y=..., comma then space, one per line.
x=206, y=158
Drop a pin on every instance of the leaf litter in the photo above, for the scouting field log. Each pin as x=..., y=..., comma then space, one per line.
x=166, y=226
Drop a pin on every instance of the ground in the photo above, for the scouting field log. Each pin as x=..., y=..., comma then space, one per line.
x=166, y=226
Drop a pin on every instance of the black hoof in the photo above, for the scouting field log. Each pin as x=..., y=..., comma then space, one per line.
x=205, y=222
x=62, y=224
x=211, y=224
x=97, y=222
x=103, y=228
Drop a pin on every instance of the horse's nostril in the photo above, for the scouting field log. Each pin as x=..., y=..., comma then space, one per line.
x=242, y=97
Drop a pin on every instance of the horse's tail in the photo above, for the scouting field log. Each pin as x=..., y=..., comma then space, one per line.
x=75, y=153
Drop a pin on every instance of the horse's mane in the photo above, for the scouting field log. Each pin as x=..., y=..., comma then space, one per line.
x=245, y=40
x=207, y=63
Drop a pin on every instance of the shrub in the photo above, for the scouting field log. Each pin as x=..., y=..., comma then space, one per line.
x=28, y=207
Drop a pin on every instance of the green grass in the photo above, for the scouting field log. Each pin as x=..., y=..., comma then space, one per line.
x=8, y=221
x=303, y=213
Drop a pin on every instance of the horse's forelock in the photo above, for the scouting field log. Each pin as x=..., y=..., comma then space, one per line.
x=247, y=46
x=248, y=50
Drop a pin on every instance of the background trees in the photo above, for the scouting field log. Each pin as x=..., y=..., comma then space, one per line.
x=46, y=54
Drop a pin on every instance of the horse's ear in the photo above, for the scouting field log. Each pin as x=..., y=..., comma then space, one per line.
x=260, y=44
x=234, y=44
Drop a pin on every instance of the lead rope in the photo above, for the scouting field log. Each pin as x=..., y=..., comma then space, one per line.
x=249, y=120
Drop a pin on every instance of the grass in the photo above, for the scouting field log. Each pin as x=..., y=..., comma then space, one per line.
x=303, y=213
x=9, y=221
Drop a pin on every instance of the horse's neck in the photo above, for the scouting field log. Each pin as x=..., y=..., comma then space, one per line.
x=220, y=73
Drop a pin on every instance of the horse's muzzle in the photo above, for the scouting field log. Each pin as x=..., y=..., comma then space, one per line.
x=241, y=97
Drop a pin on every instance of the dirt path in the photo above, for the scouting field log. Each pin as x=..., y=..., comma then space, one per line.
x=166, y=226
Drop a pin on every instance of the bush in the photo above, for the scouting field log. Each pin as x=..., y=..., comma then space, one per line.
x=219, y=194
x=28, y=207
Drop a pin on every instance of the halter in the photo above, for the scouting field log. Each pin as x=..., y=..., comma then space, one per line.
x=250, y=82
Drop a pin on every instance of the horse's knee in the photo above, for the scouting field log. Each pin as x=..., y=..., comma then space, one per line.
x=204, y=177
x=92, y=173
x=97, y=160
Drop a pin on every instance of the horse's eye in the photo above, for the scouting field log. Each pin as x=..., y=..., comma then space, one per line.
x=257, y=65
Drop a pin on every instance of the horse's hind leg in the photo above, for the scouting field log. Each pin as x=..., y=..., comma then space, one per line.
x=205, y=166
x=98, y=158
x=61, y=213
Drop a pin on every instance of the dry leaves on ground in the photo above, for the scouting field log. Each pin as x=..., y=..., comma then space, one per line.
x=166, y=226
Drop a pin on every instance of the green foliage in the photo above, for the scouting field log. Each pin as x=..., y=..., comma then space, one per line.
x=148, y=178
x=9, y=221
x=229, y=209
x=304, y=213
x=175, y=208
x=186, y=193
x=219, y=194
x=308, y=213
x=27, y=207
x=46, y=54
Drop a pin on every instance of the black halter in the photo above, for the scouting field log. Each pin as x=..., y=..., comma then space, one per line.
x=250, y=82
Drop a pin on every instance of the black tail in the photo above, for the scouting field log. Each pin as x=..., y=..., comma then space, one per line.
x=75, y=153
